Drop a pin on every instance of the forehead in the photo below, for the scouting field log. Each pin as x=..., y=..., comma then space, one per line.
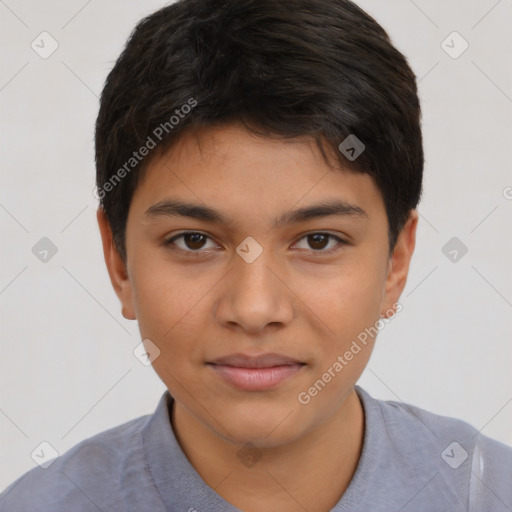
x=237, y=172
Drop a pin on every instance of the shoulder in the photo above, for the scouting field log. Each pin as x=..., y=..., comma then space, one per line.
x=87, y=476
x=466, y=463
x=402, y=418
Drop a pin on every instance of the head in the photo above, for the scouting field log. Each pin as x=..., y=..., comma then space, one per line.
x=234, y=216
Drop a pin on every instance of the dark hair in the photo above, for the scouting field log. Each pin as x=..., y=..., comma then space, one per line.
x=286, y=68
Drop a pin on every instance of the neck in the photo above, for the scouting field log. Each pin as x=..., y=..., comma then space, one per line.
x=310, y=473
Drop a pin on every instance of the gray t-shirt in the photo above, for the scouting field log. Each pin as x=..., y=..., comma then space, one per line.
x=412, y=461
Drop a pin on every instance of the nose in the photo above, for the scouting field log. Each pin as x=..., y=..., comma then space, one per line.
x=255, y=295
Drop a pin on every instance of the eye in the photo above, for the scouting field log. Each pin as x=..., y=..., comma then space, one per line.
x=192, y=241
x=318, y=241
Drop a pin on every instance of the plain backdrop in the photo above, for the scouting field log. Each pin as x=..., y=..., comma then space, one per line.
x=67, y=369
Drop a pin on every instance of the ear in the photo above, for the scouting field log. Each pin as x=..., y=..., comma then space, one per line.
x=399, y=261
x=116, y=267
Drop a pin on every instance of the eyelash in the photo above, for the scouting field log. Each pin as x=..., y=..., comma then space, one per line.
x=170, y=243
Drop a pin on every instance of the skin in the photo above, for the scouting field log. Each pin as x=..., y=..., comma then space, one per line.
x=294, y=299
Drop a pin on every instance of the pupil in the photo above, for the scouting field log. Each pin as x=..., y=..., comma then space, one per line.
x=196, y=237
x=318, y=238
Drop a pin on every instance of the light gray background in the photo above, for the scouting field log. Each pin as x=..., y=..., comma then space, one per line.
x=67, y=370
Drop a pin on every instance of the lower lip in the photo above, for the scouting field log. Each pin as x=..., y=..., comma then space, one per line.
x=256, y=379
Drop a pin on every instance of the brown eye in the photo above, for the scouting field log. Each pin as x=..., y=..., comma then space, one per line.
x=317, y=242
x=191, y=242
x=194, y=240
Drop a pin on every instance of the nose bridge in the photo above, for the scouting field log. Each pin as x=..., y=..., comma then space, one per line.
x=256, y=294
x=252, y=272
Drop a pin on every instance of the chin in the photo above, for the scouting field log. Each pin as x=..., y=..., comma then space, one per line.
x=262, y=426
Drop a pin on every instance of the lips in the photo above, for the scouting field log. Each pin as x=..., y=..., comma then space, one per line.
x=260, y=373
x=263, y=361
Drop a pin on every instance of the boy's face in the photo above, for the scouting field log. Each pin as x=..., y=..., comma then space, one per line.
x=304, y=299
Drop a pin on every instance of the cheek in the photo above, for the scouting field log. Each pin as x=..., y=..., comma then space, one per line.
x=169, y=306
x=349, y=306
x=346, y=302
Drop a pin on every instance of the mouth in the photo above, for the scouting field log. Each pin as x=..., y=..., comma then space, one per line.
x=259, y=373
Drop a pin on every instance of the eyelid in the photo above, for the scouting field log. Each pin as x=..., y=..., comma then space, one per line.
x=341, y=242
x=170, y=242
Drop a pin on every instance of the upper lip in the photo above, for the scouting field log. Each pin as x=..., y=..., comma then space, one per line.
x=262, y=361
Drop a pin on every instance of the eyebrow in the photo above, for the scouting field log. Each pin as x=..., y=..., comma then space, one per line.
x=172, y=208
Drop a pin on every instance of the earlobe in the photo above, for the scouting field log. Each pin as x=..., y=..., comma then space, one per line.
x=116, y=267
x=399, y=262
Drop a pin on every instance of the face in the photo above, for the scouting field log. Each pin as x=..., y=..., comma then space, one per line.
x=256, y=294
